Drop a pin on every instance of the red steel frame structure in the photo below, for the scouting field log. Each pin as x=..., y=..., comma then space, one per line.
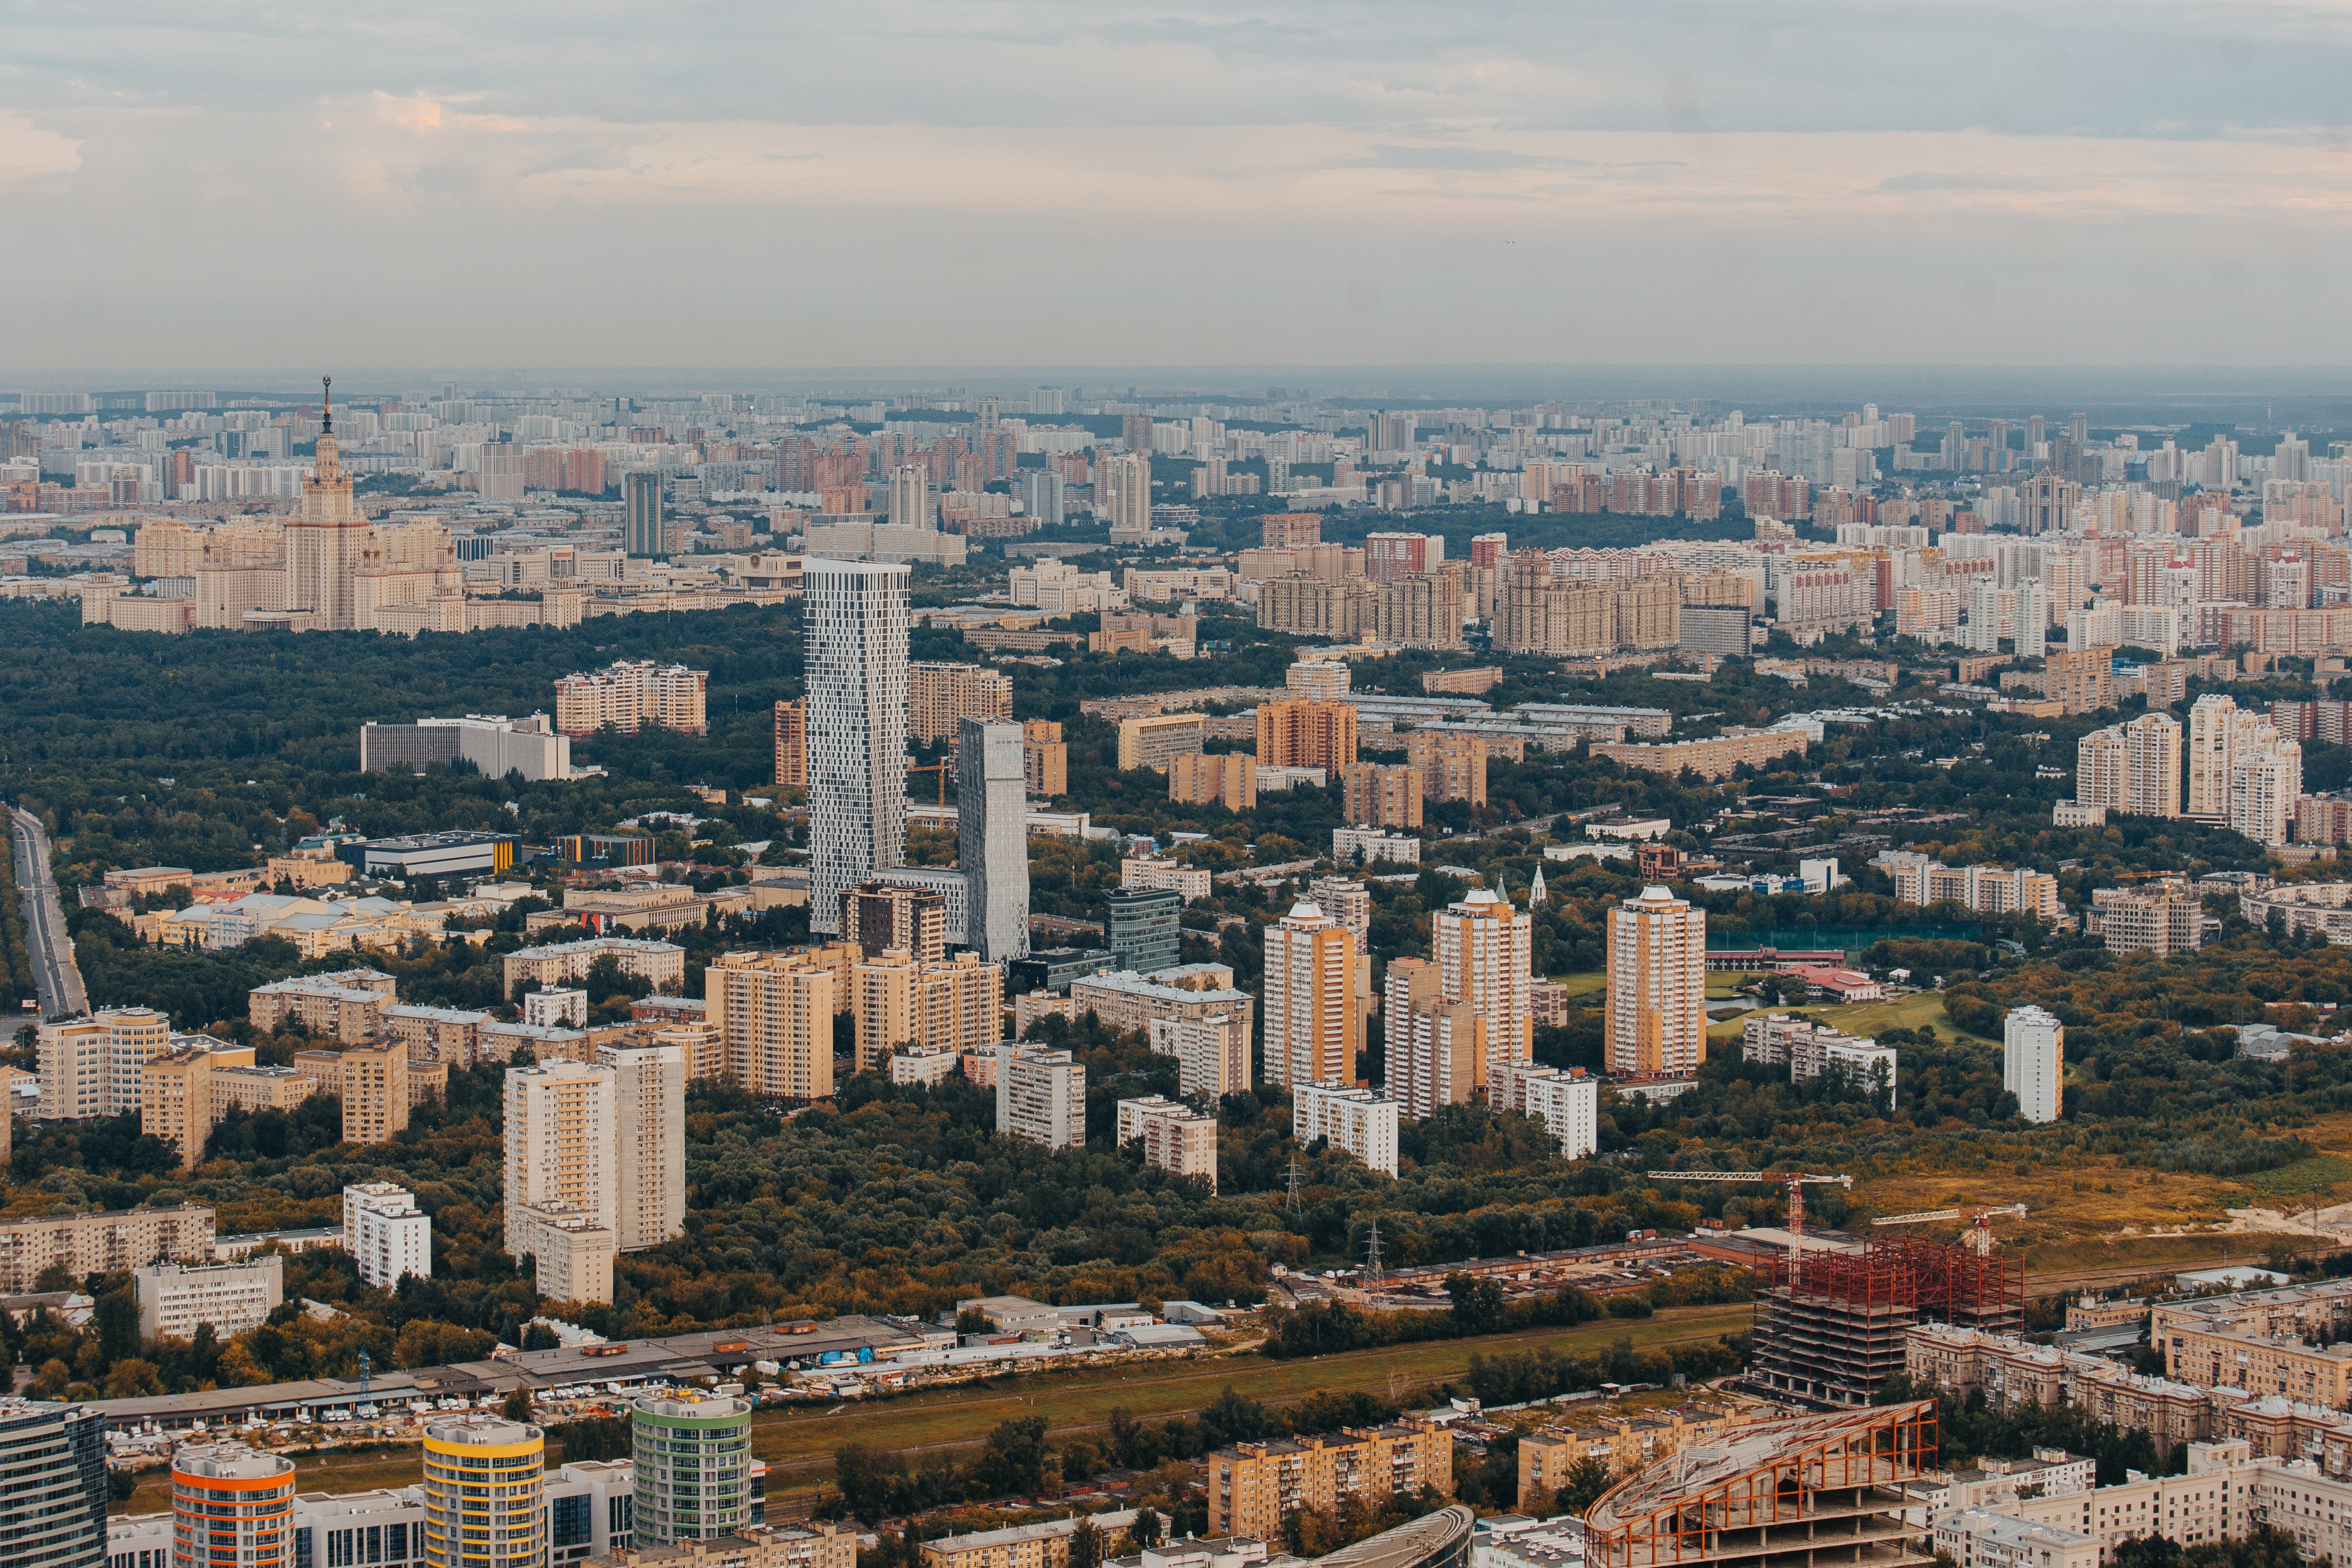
x=1829, y=1325
x=1790, y=1494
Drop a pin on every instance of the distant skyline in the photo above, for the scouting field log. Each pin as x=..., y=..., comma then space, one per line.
x=896, y=185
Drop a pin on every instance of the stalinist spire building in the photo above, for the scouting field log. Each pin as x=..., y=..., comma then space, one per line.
x=324, y=540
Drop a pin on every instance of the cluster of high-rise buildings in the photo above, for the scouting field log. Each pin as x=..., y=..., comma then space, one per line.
x=2241, y=771
x=487, y=1497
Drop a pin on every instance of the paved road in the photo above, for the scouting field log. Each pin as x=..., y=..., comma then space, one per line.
x=54, y=975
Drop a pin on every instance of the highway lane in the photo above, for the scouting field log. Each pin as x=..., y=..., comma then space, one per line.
x=45, y=942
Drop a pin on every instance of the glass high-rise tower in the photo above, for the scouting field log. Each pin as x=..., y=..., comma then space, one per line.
x=692, y=1459
x=992, y=837
x=53, y=1509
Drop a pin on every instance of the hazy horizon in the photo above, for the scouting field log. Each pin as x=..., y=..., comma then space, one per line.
x=201, y=184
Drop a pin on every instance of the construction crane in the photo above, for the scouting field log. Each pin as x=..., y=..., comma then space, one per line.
x=1795, y=1181
x=1978, y=1235
x=941, y=769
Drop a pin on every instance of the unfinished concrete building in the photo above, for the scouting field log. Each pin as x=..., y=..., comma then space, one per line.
x=1830, y=1323
x=1817, y=1491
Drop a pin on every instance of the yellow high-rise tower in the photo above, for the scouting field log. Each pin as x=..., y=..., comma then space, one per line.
x=1657, y=987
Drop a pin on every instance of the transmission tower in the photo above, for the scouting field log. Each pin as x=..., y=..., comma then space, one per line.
x=1294, y=1184
x=1372, y=1254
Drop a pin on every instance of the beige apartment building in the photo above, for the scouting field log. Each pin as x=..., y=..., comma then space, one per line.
x=91, y=1066
x=1132, y=1003
x=1042, y=1545
x=113, y=1242
x=1151, y=740
x=1711, y=759
x=630, y=697
x=939, y=695
x=774, y=1013
x=1229, y=780
x=375, y=1091
x=955, y=1005
x=1453, y=767
x=1314, y=1004
x=660, y=963
x=1255, y=1487
x=449, y=1035
x=175, y=1097
x=1175, y=1137
x=1377, y=797
x=329, y=1011
x=1045, y=759
x=1293, y=734
x=1657, y=1005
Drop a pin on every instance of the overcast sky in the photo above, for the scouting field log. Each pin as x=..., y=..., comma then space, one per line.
x=267, y=185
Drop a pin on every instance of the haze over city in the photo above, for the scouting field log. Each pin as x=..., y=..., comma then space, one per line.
x=1055, y=185
x=1363, y=786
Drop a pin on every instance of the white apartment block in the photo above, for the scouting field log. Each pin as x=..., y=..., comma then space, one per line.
x=2224, y=1496
x=1175, y=1137
x=649, y=1121
x=2241, y=771
x=561, y=1148
x=1979, y=1538
x=1568, y=1103
x=2033, y=1061
x=1041, y=1095
x=91, y=1066
x=174, y=1298
x=1357, y=1120
x=1191, y=882
x=388, y=1233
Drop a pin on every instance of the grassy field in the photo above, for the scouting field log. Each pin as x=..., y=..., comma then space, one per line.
x=1923, y=1009
x=1592, y=982
x=798, y=1443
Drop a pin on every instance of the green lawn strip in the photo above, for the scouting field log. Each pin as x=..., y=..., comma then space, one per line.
x=798, y=1444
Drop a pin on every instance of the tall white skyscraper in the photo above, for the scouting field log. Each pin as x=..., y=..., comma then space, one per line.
x=2033, y=1061
x=1657, y=986
x=992, y=837
x=649, y=1123
x=911, y=497
x=855, y=616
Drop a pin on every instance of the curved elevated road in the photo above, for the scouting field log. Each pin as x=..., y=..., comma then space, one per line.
x=45, y=942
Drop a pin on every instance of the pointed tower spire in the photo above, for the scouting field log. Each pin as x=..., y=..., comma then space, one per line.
x=1535, y=890
x=327, y=401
